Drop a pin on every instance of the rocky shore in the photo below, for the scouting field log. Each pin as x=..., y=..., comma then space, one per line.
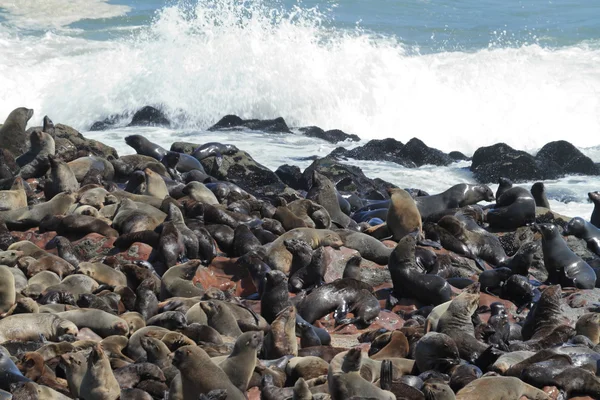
x=195, y=272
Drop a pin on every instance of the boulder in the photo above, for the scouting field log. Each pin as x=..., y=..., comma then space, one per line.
x=331, y=136
x=240, y=168
x=500, y=160
x=568, y=157
x=458, y=156
x=276, y=125
x=149, y=116
x=348, y=179
x=413, y=154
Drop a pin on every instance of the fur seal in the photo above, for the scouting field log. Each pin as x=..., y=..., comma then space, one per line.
x=588, y=325
x=99, y=382
x=341, y=297
x=281, y=339
x=563, y=265
x=595, y=218
x=311, y=275
x=12, y=132
x=275, y=296
x=15, y=197
x=199, y=192
x=515, y=208
x=34, y=163
x=403, y=215
x=29, y=326
x=48, y=126
x=538, y=190
x=62, y=178
x=503, y=185
x=409, y=282
x=7, y=289
x=176, y=239
x=348, y=382
x=220, y=317
x=457, y=196
x=499, y=388
x=214, y=149
x=199, y=375
x=324, y=193
x=545, y=316
x=582, y=229
x=59, y=205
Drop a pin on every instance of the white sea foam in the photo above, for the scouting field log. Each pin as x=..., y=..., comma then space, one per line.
x=39, y=14
x=224, y=56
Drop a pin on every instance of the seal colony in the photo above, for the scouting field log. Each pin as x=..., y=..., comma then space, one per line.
x=196, y=273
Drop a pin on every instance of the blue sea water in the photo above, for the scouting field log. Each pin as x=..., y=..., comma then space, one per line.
x=457, y=74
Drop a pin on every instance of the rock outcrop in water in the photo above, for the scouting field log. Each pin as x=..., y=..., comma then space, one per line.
x=124, y=277
x=554, y=160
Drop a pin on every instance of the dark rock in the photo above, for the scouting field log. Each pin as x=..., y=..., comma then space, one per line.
x=149, y=116
x=71, y=144
x=266, y=125
x=458, y=156
x=500, y=160
x=107, y=123
x=419, y=153
x=568, y=157
x=414, y=154
x=240, y=168
x=332, y=136
x=291, y=176
x=512, y=241
x=348, y=179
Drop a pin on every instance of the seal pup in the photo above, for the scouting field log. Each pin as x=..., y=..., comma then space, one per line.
x=563, y=265
x=324, y=193
x=538, y=190
x=12, y=132
x=515, y=208
x=582, y=229
x=199, y=375
x=275, y=296
x=407, y=279
x=403, y=216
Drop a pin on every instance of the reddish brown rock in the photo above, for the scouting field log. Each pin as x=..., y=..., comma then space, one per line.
x=35, y=237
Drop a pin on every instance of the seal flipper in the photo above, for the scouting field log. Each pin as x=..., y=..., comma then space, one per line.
x=340, y=313
x=386, y=375
x=429, y=243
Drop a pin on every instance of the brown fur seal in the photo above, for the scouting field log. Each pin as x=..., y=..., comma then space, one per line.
x=77, y=224
x=500, y=388
x=59, y=205
x=34, y=163
x=281, y=340
x=515, y=208
x=99, y=382
x=155, y=185
x=240, y=364
x=403, y=216
x=278, y=257
x=15, y=197
x=199, y=192
x=545, y=315
x=538, y=190
x=323, y=192
x=588, y=325
x=102, y=273
x=12, y=132
x=409, y=281
x=62, y=178
x=83, y=165
x=7, y=289
x=199, y=375
x=101, y=322
x=133, y=217
x=348, y=382
x=29, y=326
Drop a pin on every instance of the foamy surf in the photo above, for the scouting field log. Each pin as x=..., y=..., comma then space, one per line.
x=226, y=57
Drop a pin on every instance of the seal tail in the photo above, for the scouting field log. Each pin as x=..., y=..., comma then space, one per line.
x=386, y=375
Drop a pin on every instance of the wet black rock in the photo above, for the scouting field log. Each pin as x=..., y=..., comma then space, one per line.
x=276, y=125
x=413, y=154
x=500, y=160
x=150, y=116
x=348, y=179
x=332, y=136
x=458, y=156
x=568, y=157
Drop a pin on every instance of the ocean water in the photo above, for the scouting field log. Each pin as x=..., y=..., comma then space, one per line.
x=458, y=74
